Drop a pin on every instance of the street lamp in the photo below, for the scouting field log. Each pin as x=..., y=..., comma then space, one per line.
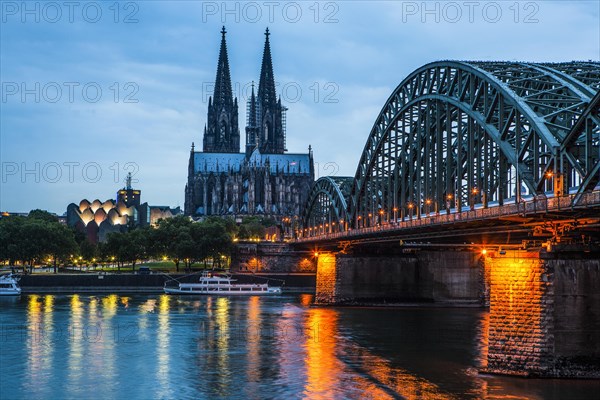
x=449, y=198
x=557, y=183
x=474, y=193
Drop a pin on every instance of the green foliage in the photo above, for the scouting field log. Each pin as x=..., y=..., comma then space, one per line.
x=88, y=250
x=255, y=227
x=42, y=215
x=35, y=238
x=40, y=236
x=178, y=239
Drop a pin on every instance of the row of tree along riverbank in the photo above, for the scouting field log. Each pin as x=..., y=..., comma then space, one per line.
x=40, y=239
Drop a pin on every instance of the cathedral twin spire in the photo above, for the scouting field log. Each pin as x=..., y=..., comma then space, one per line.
x=264, y=128
x=221, y=133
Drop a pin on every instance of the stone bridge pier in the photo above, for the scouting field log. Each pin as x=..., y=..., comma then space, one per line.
x=424, y=276
x=544, y=307
x=544, y=313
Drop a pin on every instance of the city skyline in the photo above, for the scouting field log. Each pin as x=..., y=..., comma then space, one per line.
x=129, y=92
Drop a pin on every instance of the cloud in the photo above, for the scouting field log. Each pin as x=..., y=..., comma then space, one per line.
x=170, y=55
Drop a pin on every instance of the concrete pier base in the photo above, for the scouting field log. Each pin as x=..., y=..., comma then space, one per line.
x=429, y=276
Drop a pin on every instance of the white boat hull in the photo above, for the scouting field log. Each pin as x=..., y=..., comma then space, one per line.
x=10, y=292
x=9, y=286
x=212, y=292
x=221, y=285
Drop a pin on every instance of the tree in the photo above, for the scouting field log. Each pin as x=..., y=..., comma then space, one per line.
x=213, y=238
x=11, y=232
x=42, y=215
x=88, y=250
x=252, y=228
x=168, y=235
x=114, y=247
x=136, y=243
x=34, y=238
x=63, y=244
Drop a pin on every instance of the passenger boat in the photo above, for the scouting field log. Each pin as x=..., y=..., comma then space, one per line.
x=9, y=285
x=221, y=285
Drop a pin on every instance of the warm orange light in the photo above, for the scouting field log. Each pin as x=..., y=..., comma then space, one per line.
x=316, y=254
x=484, y=252
x=549, y=174
x=410, y=205
x=428, y=202
x=474, y=190
x=449, y=197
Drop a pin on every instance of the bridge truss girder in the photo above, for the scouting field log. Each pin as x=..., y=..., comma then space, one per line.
x=455, y=134
x=327, y=208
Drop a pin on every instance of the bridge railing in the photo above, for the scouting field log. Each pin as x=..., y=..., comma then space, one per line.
x=532, y=206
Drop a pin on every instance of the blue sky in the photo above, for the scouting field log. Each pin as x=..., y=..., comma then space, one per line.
x=91, y=90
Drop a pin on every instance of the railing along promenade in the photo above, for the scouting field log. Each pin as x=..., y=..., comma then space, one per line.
x=526, y=207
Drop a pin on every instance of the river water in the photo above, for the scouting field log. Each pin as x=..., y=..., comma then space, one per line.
x=167, y=347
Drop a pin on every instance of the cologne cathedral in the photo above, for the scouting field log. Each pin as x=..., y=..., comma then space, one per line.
x=263, y=180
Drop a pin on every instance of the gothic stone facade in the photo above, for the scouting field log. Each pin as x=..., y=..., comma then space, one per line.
x=264, y=180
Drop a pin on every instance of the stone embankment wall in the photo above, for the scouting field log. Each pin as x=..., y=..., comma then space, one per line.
x=271, y=257
x=153, y=283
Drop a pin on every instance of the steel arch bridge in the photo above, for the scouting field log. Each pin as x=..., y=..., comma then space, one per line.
x=327, y=206
x=458, y=135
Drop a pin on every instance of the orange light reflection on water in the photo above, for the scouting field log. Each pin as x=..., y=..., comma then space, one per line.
x=162, y=348
x=37, y=345
x=76, y=326
x=253, y=338
x=332, y=361
x=323, y=369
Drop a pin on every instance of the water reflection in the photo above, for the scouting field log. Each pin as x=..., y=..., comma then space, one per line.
x=163, y=338
x=40, y=349
x=222, y=339
x=255, y=347
x=333, y=357
x=75, y=328
x=253, y=342
x=323, y=368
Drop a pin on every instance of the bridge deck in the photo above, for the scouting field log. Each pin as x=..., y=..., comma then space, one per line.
x=520, y=219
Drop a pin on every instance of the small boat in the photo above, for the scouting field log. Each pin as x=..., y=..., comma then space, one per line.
x=222, y=285
x=9, y=285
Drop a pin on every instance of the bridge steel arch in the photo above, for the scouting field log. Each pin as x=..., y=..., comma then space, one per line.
x=326, y=210
x=456, y=134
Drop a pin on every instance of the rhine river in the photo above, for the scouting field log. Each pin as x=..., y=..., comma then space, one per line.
x=166, y=347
